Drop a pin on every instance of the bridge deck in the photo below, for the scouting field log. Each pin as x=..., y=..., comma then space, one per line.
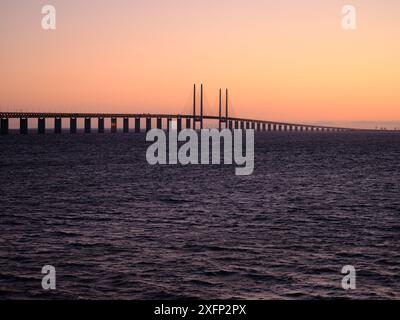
x=147, y=115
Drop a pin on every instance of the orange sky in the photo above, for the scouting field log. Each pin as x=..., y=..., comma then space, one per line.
x=282, y=60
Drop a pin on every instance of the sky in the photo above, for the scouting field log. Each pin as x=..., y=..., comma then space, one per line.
x=286, y=60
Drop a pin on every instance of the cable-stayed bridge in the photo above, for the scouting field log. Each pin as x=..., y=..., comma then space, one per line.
x=196, y=120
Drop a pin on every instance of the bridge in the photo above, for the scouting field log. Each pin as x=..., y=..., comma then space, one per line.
x=163, y=121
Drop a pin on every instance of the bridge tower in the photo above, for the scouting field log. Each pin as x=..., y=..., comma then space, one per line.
x=220, y=110
x=195, y=118
x=194, y=106
x=201, y=107
x=226, y=108
x=225, y=119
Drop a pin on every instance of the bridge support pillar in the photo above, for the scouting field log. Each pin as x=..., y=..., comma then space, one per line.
x=113, y=125
x=88, y=125
x=41, y=125
x=4, y=126
x=72, y=125
x=57, y=125
x=159, y=123
x=179, y=124
x=23, y=126
x=148, y=124
x=137, y=125
x=100, y=125
x=188, y=123
x=194, y=122
x=230, y=124
x=169, y=124
x=126, y=125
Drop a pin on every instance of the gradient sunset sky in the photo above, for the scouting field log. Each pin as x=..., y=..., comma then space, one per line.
x=282, y=60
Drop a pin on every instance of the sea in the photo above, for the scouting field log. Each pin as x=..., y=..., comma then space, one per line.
x=115, y=227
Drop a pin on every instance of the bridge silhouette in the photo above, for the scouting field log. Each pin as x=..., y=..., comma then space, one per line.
x=163, y=121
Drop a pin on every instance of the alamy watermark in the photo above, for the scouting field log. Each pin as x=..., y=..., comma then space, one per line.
x=49, y=280
x=49, y=18
x=349, y=280
x=349, y=19
x=196, y=148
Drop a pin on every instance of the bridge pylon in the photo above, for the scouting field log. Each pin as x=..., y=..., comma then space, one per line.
x=195, y=117
x=220, y=117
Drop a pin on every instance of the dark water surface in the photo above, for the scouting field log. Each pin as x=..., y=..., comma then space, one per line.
x=115, y=227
